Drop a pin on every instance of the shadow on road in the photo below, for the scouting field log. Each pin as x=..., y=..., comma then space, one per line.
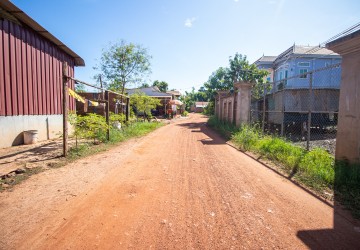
x=345, y=233
x=201, y=127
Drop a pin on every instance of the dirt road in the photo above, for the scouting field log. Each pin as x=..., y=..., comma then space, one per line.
x=181, y=187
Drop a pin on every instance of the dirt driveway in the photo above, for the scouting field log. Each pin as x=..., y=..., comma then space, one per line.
x=180, y=187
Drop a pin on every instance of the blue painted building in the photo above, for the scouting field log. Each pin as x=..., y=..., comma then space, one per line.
x=303, y=78
x=297, y=61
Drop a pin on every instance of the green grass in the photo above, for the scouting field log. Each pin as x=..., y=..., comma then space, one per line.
x=347, y=186
x=224, y=128
x=280, y=150
x=136, y=129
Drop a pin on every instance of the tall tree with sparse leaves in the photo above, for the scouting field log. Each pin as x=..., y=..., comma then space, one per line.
x=124, y=64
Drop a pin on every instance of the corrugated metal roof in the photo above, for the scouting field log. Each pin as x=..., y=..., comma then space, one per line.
x=341, y=44
x=265, y=59
x=306, y=50
x=23, y=18
x=150, y=91
x=174, y=92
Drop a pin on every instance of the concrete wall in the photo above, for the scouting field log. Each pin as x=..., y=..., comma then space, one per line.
x=348, y=136
x=12, y=127
x=234, y=107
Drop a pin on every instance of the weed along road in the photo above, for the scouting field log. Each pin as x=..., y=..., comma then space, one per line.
x=180, y=187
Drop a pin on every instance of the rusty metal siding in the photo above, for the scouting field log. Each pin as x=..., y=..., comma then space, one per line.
x=30, y=73
x=2, y=84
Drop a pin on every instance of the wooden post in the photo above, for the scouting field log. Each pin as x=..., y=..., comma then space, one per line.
x=282, y=112
x=263, y=114
x=309, y=114
x=107, y=109
x=101, y=86
x=127, y=108
x=65, y=108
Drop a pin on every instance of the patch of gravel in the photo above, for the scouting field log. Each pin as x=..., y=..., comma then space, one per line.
x=329, y=145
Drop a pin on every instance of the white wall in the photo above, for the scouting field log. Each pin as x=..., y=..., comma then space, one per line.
x=12, y=127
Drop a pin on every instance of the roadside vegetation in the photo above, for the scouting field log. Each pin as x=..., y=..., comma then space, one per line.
x=91, y=129
x=316, y=168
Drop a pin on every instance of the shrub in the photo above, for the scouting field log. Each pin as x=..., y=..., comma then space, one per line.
x=281, y=150
x=226, y=129
x=185, y=113
x=117, y=118
x=319, y=164
x=247, y=138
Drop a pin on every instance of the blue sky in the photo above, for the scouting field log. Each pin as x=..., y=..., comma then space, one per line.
x=189, y=39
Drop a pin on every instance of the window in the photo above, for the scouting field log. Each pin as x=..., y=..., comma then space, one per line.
x=304, y=64
x=268, y=79
x=281, y=75
x=303, y=73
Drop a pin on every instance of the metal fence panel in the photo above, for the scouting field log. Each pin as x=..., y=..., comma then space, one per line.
x=303, y=109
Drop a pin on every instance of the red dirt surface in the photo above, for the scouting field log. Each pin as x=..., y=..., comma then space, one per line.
x=180, y=187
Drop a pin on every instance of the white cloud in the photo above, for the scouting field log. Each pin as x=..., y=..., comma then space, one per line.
x=189, y=22
x=236, y=0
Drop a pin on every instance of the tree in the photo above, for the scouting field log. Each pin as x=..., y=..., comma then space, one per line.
x=163, y=86
x=218, y=80
x=124, y=63
x=80, y=88
x=241, y=70
x=144, y=85
x=143, y=103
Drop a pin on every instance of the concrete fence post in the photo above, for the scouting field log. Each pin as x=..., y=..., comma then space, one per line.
x=243, y=96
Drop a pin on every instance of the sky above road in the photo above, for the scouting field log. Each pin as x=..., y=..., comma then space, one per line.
x=189, y=39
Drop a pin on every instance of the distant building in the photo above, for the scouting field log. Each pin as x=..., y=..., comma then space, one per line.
x=154, y=91
x=175, y=94
x=199, y=107
x=31, y=86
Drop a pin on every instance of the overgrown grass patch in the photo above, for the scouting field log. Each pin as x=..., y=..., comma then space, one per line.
x=136, y=129
x=247, y=138
x=224, y=128
x=280, y=150
x=347, y=186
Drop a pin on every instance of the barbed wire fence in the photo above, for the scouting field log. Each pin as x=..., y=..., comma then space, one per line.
x=303, y=108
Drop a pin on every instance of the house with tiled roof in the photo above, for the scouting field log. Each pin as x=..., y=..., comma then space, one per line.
x=154, y=91
x=297, y=61
x=302, y=78
x=266, y=62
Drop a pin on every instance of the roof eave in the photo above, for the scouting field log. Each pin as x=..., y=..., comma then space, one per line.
x=28, y=21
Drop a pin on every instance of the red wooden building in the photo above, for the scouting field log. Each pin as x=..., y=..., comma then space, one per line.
x=30, y=77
